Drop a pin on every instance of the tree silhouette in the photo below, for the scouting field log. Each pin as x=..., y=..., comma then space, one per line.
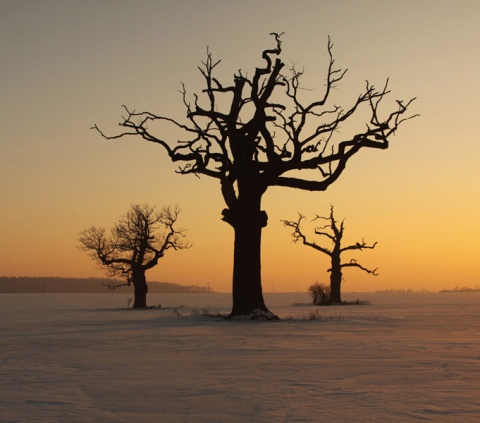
x=334, y=233
x=259, y=132
x=134, y=245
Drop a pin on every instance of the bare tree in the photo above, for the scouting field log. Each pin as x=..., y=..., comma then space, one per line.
x=334, y=233
x=259, y=132
x=134, y=245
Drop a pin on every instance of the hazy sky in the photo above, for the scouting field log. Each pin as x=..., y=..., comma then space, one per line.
x=69, y=64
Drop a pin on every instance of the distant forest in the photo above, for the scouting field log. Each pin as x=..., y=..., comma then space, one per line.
x=462, y=289
x=56, y=285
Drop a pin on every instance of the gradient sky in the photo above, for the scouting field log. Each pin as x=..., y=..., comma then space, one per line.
x=67, y=65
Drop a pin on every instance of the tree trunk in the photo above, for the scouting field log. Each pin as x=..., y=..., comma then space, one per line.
x=140, y=288
x=247, y=223
x=335, y=281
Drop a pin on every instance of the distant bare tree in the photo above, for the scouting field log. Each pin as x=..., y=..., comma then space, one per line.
x=259, y=131
x=334, y=233
x=134, y=245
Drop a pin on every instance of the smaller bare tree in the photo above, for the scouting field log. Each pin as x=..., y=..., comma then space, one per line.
x=134, y=245
x=334, y=233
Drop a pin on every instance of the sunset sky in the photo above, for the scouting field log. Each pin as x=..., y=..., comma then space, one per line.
x=67, y=65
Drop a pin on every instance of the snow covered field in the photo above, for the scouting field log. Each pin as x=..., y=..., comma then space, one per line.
x=82, y=358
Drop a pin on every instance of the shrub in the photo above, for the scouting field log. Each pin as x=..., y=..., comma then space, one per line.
x=320, y=293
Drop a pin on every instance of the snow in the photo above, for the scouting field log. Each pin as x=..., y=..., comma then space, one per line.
x=85, y=358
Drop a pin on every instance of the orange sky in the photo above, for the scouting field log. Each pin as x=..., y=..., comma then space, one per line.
x=68, y=65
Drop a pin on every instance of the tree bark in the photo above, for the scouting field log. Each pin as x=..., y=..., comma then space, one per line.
x=247, y=287
x=247, y=221
x=140, y=289
x=335, y=281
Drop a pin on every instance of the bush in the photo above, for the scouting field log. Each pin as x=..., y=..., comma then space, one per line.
x=320, y=293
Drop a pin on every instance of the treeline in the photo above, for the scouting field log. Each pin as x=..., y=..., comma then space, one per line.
x=403, y=291
x=462, y=289
x=57, y=285
x=424, y=291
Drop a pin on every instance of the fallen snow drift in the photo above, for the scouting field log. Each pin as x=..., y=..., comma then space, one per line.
x=85, y=358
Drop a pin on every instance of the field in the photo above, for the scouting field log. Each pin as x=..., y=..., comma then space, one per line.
x=86, y=358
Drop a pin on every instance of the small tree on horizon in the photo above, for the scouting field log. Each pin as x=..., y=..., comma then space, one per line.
x=334, y=232
x=259, y=131
x=134, y=245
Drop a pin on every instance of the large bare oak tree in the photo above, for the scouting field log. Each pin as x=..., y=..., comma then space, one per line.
x=134, y=245
x=259, y=132
x=334, y=232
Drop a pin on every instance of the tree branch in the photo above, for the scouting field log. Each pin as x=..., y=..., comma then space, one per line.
x=353, y=263
x=299, y=236
x=263, y=127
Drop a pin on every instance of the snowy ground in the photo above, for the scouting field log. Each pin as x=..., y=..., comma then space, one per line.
x=82, y=358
